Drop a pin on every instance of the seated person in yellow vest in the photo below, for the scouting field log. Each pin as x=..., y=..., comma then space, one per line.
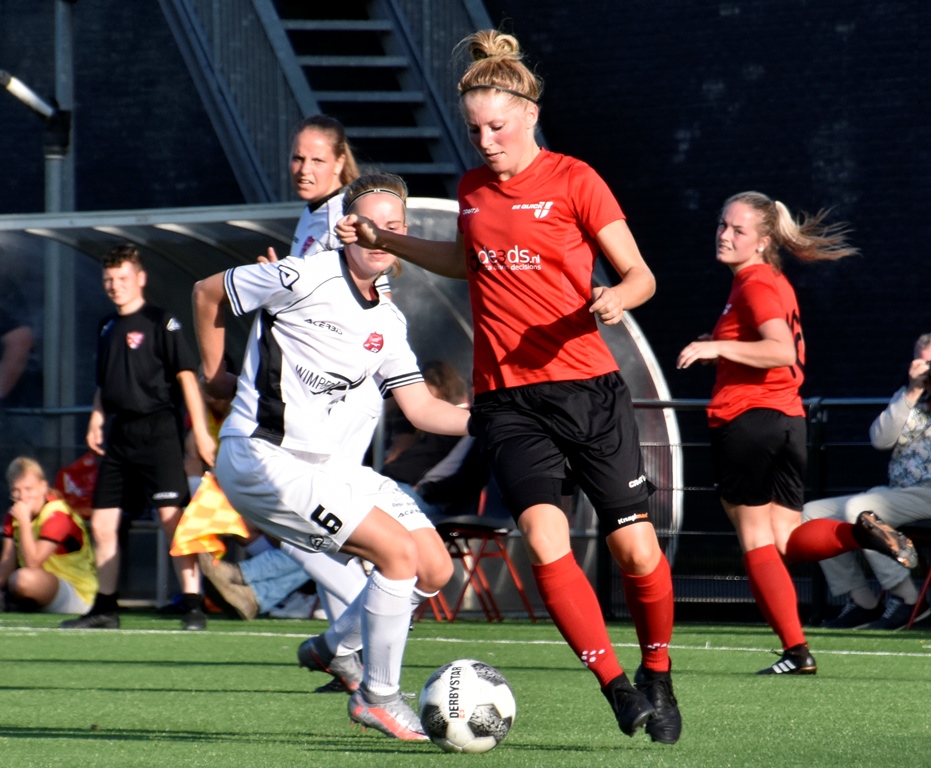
x=47, y=560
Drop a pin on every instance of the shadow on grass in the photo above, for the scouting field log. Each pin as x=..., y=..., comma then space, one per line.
x=160, y=663
x=357, y=740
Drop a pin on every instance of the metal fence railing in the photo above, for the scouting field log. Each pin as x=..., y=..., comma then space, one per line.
x=708, y=568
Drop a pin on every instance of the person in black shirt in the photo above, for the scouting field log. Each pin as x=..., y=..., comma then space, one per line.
x=145, y=374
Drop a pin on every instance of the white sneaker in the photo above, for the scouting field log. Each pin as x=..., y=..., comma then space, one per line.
x=389, y=714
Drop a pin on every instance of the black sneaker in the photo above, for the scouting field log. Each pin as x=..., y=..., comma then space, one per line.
x=666, y=725
x=872, y=533
x=796, y=660
x=194, y=620
x=631, y=707
x=897, y=614
x=852, y=616
x=93, y=620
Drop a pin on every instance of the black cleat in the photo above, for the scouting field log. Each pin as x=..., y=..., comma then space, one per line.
x=796, y=660
x=194, y=620
x=872, y=533
x=666, y=725
x=631, y=707
x=93, y=621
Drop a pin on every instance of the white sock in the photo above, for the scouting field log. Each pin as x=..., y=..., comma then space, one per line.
x=332, y=605
x=418, y=596
x=345, y=634
x=257, y=547
x=386, y=620
x=342, y=579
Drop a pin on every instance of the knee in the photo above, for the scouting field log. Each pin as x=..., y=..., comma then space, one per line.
x=434, y=570
x=24, y=582
x=169, y=516
x=640, y=560
x=543, y=545
x=399, y=559
x=635, y=549
x=103, y=532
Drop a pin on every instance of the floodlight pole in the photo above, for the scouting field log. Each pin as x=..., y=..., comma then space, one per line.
x=59, y=337
x=58, y=305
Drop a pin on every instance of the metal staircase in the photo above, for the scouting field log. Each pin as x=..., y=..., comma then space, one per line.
x=381, y=67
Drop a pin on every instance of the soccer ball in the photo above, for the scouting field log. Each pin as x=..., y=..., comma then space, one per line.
x=467, y=706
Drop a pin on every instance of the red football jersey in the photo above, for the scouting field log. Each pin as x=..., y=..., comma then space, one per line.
x=531, y=248
x=759, y=293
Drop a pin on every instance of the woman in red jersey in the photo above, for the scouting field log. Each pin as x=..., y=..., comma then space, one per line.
x=547, y=389
x=758, y=431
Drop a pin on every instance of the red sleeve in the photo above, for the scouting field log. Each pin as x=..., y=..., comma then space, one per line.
x=761, y=302
x=58, y=528
x=8, y=526
x=595, y=204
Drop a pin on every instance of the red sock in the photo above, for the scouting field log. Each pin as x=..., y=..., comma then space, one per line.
x=649, y=600
x=774, y=592
x=820, y=539
x=573, y=606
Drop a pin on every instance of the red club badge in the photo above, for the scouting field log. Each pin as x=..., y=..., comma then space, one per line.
x=374, y=342
x=134, y=339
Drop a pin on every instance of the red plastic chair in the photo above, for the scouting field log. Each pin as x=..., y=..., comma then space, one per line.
x=472, y=540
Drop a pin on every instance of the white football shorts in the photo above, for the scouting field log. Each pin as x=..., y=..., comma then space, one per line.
x=66, y=600
x=308, y=500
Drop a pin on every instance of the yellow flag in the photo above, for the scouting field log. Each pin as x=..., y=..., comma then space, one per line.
x=208, y=516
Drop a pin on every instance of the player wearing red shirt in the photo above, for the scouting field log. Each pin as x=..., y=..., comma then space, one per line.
x=548, y=393
x=530, y=300
x=759, y=294
x=758, y=434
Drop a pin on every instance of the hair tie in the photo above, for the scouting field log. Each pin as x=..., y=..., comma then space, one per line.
x=499, y=88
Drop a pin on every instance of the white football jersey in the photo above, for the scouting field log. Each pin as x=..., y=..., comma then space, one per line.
x=315, y=230
x=315, y=339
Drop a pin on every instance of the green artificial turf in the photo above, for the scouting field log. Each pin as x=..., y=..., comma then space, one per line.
x=151, y=695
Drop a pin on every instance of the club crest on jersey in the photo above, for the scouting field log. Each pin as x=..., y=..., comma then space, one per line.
x=540, y=210
x=134, y=339
x=287, y=275
x=307, y=243
x=374, y=342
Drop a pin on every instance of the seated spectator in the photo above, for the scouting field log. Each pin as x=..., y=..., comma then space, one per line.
x=443, y=474
x=905, y=427
x=47, y=562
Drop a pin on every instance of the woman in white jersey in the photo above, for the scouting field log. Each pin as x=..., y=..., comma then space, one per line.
x=321, y=329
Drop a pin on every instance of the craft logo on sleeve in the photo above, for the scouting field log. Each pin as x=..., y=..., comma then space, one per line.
x=134, y=339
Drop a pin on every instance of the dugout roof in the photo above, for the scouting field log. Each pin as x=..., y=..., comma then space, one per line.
x=54, y=259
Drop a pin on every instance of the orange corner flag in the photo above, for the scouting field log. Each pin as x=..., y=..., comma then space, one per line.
x=208, y=516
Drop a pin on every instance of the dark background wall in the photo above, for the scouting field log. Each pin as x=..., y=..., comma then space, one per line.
x=677, y=104
x=141, y=138
x=818, y=103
